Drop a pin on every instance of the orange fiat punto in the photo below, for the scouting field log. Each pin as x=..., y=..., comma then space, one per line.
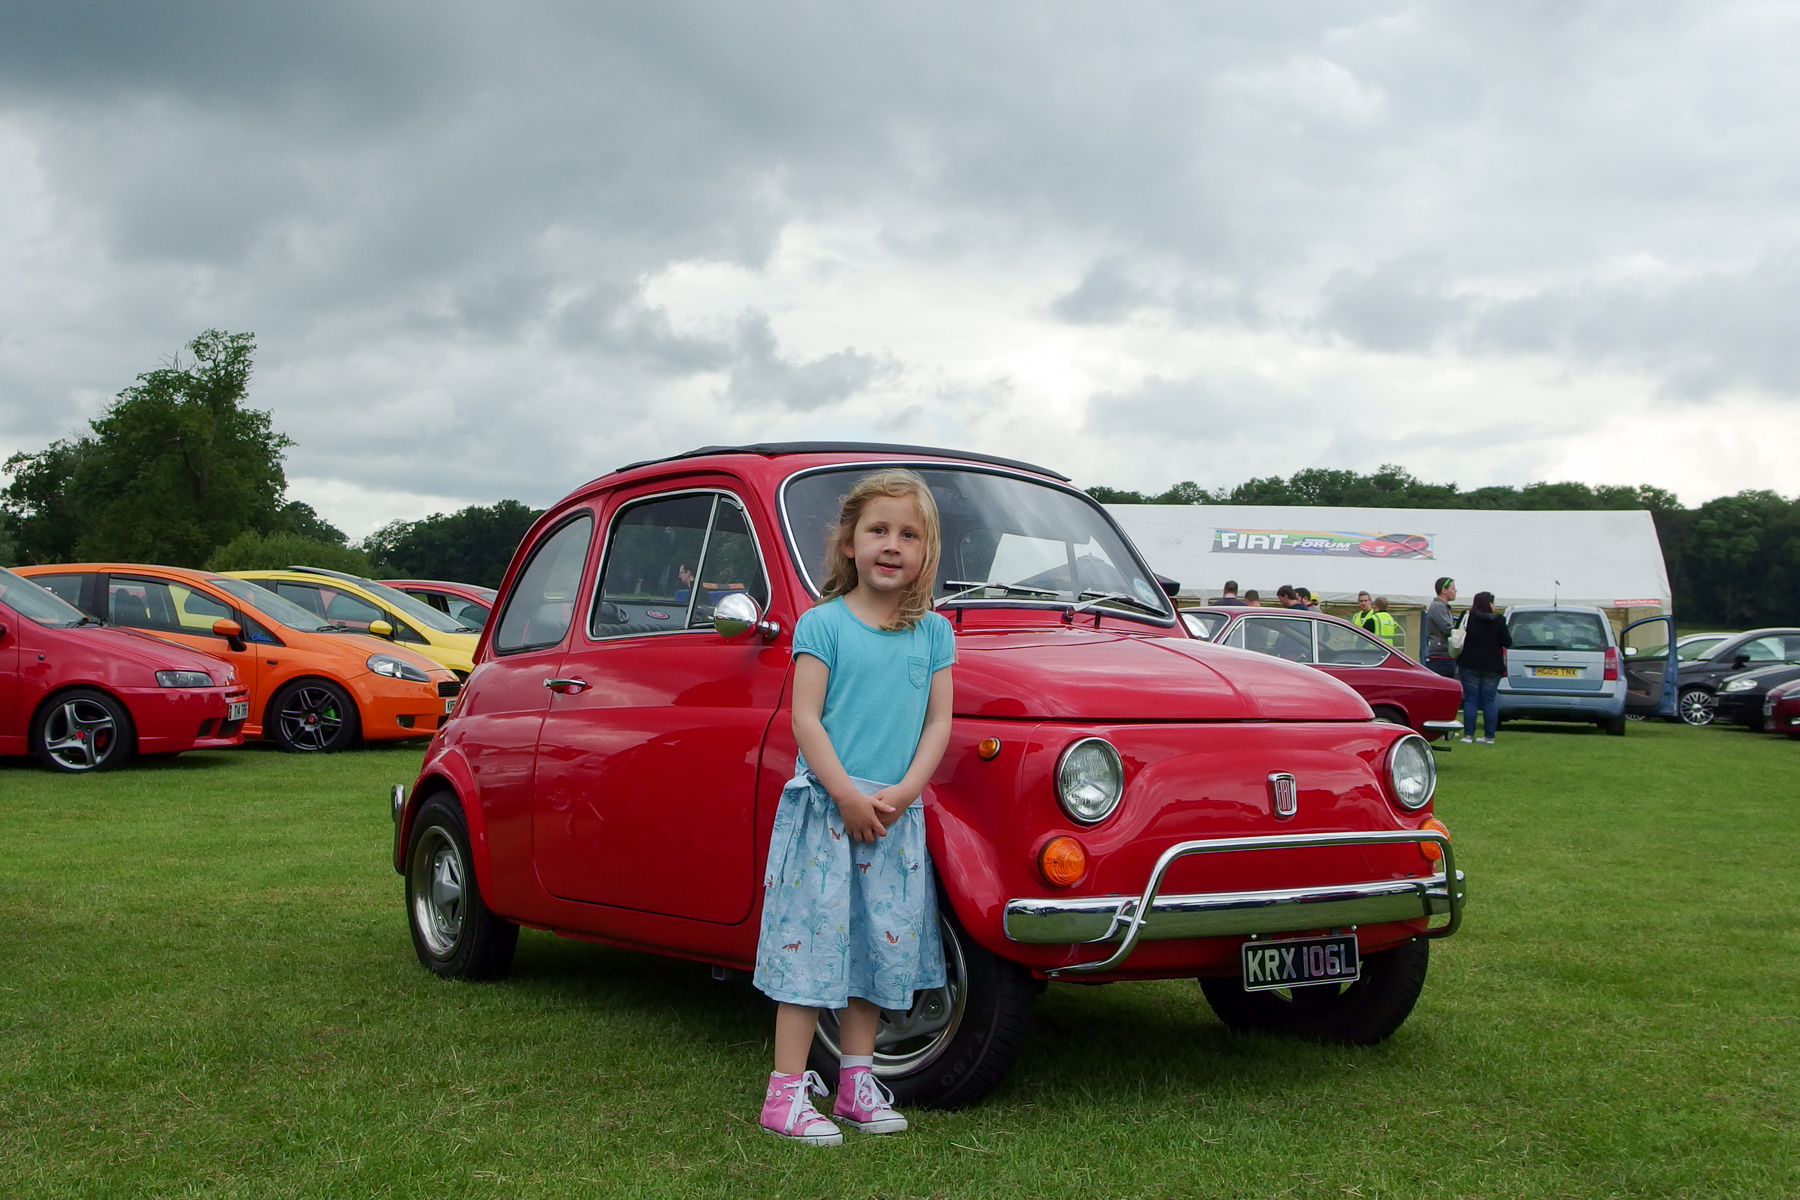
x=313, y=686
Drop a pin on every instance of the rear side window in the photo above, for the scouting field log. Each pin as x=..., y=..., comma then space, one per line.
x=1557, y=631
x=541, y=606
x=1342, y=646
x=1279, y=637
x=670, y=560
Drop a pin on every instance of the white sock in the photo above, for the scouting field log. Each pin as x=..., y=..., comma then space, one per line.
x=846, y=1061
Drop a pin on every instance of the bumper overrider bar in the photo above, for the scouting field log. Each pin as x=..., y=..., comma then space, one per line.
x=1153, y=916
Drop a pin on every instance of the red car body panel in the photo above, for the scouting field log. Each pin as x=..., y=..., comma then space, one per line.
x=1782, y=713
x=38, y=662
x=637, y=811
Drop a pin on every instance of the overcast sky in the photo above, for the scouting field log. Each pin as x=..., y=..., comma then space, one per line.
x=496, y=250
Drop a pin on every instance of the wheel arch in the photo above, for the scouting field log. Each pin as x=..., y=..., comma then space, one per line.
x=63, y=689
x=448, y=775
x=975, y=890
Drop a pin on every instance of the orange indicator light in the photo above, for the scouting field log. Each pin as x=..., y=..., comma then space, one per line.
x=1062, y=862
x=988, y=748
x=1431, y=850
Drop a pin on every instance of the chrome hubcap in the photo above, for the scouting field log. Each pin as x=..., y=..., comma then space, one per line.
x=311, y=718
x=435, y=882
x=910, y=1040
x=80, y=734
x=1697, y=708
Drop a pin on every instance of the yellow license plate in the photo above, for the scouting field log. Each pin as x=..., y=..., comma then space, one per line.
x=1560, y=672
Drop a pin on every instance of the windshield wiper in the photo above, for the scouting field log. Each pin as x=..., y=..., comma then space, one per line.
x=87, y=620
x=968, y=587
x=1116, y=598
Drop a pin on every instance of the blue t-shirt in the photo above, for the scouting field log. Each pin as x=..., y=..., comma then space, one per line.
x=880, y=681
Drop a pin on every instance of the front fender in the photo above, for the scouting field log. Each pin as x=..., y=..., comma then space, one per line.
x=447, y=772
x=969, y=872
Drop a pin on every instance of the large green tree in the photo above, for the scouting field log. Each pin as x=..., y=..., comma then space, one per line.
x=176, y=468
x=472, y=545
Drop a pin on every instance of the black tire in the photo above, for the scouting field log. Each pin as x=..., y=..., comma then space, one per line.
x=1697, y=706
x=83, y=730
x=313, y=716
x=1361, y=1014
x=453, y=932
x=1614, y=727
x=957, y=1042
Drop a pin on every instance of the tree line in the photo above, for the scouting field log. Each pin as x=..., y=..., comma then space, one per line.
x=1732, y=561
x=178, y=471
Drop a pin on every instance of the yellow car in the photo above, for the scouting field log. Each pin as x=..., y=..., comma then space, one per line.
x=352, y=602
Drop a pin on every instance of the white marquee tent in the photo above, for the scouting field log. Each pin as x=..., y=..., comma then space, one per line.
x=1606, y=559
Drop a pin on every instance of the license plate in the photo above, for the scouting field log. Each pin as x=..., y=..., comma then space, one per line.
x=238, y=710
x=448, y=705
x=1559, y=672
x=1300, y=962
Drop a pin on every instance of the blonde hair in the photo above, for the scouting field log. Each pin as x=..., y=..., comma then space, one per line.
x=841, y=578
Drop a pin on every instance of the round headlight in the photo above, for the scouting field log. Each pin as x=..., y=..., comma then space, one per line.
x=1089, y=780
x=1412, y=772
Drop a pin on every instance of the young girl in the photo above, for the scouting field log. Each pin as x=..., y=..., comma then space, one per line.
x=849, y=908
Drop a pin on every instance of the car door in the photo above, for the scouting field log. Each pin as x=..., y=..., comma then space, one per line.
x=1650, y=678
x=1358, y=660
x=500, y=713
x=172, y=611
x=644, y=796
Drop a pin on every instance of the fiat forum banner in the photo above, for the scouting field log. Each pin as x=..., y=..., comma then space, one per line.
x=1336, y=543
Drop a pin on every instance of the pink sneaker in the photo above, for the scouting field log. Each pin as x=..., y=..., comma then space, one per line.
x=788, y=1110
x=862, y=1101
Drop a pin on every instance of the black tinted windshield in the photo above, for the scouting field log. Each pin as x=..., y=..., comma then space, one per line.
x=1049, y=545
x=37, y=604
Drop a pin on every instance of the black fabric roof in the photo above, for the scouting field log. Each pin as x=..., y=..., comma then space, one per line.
x=778, y=449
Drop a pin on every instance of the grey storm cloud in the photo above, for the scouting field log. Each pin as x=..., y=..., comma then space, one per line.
x=450, y=218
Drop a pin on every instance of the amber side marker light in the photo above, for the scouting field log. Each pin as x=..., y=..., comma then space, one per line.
x=988, y=748
x=1062, y=862
x=1431, y=850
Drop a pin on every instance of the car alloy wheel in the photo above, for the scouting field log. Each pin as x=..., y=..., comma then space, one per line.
x=454, y=933
x=436, y=886
x=314, y=716
x=82, y=731
x=1698, y=706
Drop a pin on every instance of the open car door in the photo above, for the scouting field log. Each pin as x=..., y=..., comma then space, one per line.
x=1650, y=667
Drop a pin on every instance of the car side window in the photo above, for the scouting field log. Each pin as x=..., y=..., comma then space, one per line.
x=1204, y=625
x=670, y=560
x=1762, y=650
x=1280, y=637
x=541, y=605
x=1339, y=645
x=160, y=606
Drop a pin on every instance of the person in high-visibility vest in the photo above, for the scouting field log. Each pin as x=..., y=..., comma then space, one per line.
x=1373, y=615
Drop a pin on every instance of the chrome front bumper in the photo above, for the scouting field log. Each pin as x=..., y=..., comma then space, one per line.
x=1152, y=916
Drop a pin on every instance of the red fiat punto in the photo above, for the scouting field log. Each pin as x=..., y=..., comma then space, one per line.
x=1120, y=800
x=84, y=697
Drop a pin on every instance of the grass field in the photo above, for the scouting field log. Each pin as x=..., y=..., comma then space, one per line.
x=206, y=989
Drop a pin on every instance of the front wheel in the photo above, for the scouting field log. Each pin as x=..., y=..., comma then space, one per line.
x=313, y=716
x=1697, y=706
x=956, y=1042
x=1361, y=1013
x=82, y=730
x=453, y=932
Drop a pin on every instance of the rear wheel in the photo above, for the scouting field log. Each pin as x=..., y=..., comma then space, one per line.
x=1615, y=726
x=1697, y=706
x=313, y=716
x=82, y=730
x=1361, y=1013
x=956, y=1042
x=453, y=932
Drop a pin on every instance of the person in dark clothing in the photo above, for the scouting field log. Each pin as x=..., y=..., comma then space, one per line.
x=1230, y=597
x=1481, y=665
x=1439, y=621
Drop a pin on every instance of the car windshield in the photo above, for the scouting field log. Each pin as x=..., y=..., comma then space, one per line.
x=1557, y=631
x=278, y=609
x=36, y=603
x=1006, y=540
x=1695, y=649
x=418, y=610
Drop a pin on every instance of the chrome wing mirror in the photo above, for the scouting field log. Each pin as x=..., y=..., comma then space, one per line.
x=737, y=614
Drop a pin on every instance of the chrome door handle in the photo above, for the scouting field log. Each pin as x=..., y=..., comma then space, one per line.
x=566, y=686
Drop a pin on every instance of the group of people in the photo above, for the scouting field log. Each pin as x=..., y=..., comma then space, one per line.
x=1371, y=611
x=1479, y=662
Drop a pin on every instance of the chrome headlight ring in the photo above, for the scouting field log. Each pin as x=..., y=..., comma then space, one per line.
x=1090, y=779
x=1411, y=772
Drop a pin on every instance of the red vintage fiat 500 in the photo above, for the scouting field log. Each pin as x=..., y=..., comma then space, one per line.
x=1120, y=800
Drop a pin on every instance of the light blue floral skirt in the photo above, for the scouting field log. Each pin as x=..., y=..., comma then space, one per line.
x=845, y=918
